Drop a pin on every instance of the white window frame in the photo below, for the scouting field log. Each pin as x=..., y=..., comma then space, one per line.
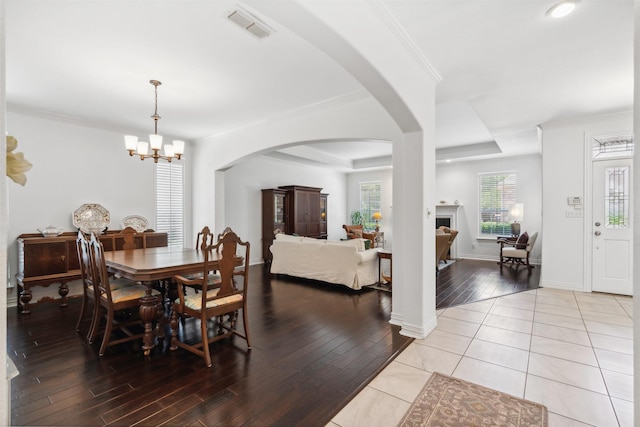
x=170, y=202
x=502, y=208
x=366, y=207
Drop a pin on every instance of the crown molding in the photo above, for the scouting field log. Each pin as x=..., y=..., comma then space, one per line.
x=326, y=104
x=390, y=20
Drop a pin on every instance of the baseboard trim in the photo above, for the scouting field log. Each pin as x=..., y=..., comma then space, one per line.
x=418, y=331
x=575, y=287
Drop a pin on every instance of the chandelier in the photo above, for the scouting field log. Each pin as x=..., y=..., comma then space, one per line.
x=141, y=148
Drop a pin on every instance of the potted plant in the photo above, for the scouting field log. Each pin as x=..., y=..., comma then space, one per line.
x=356, y=218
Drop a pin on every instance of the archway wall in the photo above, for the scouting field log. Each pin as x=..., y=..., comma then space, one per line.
x=365, y=39
x=357, y=117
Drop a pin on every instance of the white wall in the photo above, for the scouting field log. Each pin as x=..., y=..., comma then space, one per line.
x=563, y=164
x=459, y=181
x=385, y=176
x=73, y=165
x=354, y=117
x=243, y=195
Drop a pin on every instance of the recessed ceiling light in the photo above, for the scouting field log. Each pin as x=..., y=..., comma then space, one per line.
x=562, y=9
x=448, y=161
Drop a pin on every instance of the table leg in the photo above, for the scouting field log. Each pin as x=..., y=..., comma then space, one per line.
x=63, y=291
x=25, y=297
x=148, y=313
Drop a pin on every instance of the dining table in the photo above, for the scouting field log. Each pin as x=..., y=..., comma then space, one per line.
x=151, y=266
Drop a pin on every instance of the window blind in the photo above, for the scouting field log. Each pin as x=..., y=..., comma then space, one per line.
x=370, y=202
x=170, y=202
x=497, y=194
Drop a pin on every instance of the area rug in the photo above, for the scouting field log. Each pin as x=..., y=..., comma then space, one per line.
x=448, y=401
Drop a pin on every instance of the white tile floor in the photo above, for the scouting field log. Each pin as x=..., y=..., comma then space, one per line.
x=570, y=351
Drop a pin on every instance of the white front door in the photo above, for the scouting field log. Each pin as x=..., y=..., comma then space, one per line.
x=612, y=238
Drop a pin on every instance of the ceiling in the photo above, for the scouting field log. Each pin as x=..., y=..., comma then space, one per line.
x=506, y=67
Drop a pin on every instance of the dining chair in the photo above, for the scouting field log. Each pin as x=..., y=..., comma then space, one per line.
x=226, y=300
x=114, y=296
x=129, y=238
x=204, y=238
x=88, y=293
x=83, y=247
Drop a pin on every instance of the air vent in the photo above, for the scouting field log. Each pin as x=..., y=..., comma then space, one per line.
x=250, y=23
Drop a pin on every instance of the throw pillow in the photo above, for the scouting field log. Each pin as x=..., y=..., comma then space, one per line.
x=367, y=244
x=357, y=233
x=522, y=241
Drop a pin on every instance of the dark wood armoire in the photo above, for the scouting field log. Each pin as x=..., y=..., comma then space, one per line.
x=293, y=209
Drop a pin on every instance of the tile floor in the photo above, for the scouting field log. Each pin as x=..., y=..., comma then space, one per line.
x=571, y=351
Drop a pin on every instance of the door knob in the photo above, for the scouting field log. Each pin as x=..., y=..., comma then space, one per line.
x=597, y=233
x=597, y=224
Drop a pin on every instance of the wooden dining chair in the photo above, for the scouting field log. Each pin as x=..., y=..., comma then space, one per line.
x=204, y=238
x=86, y=275
x=129, y=234
x=220, y=302
x=83, y=247
x=113, y=296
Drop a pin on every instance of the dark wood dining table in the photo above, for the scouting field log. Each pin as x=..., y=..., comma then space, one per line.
x=151, y=266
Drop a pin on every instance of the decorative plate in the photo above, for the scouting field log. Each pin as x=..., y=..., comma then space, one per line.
x=137, y=222
x=91, y=217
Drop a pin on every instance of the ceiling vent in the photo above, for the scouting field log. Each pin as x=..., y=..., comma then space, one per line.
x=250, y=23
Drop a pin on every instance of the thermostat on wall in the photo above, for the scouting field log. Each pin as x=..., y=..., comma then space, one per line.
x=574, y=200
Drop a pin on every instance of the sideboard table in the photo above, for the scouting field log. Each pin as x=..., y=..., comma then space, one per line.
x=43, y=261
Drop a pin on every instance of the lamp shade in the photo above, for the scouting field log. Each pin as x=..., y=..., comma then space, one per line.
x=517, y=212
x=377, y=216
x=178, y=146
x=131, y=142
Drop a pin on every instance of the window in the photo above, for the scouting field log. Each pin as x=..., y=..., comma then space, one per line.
x=497, y=193
x=369, y=203
x=606, y=147
x=169, y=202
x=617, y=197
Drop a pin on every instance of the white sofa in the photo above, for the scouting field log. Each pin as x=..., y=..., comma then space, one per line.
x=340, y=262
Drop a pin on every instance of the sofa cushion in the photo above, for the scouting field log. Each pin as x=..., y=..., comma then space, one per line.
x=356, y=243
x=288, y=238
x=313, y=241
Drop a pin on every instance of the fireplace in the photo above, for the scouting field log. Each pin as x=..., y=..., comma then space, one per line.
x=446, y=221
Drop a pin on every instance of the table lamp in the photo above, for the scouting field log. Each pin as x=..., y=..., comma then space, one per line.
x=517, y=213
x=377, y=216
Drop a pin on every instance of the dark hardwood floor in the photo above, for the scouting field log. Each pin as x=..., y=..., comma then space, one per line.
x=314, y=347
x=468, y=280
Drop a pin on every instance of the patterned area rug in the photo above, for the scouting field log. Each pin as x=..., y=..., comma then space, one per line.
x=448, y=401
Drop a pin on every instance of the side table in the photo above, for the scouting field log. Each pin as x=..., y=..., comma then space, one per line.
x=386, y=285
